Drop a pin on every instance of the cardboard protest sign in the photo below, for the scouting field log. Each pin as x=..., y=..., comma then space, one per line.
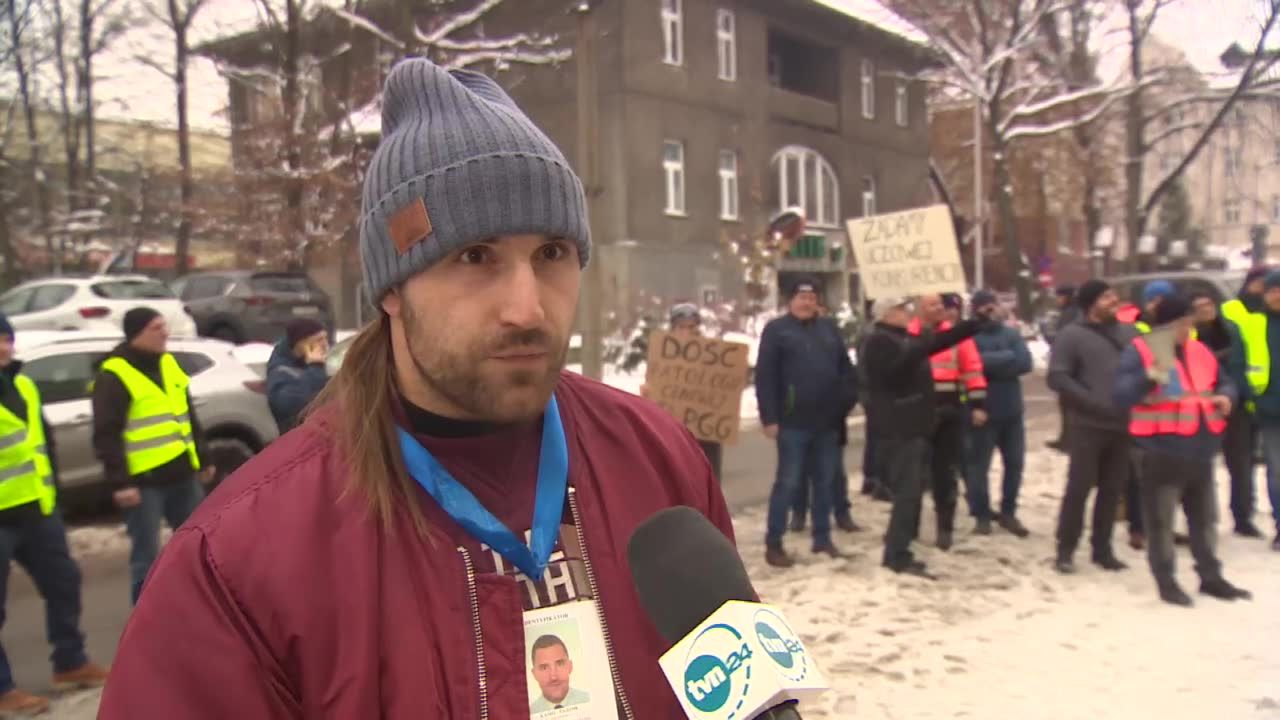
x=907, y=253
x=699, y=381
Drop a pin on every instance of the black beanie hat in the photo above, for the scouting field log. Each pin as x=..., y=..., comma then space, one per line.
x=1089, y=293
x=301, y=329
x=1171, y=307
x=6, y=327
x=136, y=320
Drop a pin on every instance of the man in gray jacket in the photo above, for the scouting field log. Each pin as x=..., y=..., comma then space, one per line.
x=1082, y=370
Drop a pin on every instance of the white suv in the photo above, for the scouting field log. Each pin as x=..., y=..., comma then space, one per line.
x=97, y=303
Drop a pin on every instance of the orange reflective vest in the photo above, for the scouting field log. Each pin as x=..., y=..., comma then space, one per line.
x=956, y=369
x=1161, y=415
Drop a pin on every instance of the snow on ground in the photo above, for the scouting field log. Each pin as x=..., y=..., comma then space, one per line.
x=1002, y=635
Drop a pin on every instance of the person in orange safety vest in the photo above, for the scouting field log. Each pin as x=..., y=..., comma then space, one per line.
x=1178, y=407
x=959, y=385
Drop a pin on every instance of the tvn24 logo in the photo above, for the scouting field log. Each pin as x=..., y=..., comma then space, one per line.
x=719, y=663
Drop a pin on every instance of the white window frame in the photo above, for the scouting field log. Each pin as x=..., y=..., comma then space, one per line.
x=868, y=196
x=672, y=15
x=867, y=82
x=727, y=45
x=728, y=170
x=675, y=180
x=811, y=167
x=1231, y=211
x=901, y=104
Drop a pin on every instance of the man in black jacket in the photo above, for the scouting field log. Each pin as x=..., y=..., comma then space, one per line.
x=801, y=378
x=168, y=489
x=33, y=535
x=900, y=394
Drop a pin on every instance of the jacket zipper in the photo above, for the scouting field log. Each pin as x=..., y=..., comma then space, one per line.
x=595, y=593
x=474, y=598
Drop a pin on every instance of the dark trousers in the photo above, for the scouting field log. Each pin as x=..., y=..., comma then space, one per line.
x=1168, y=481
x=714, y=451
x=1099, y=458
x=1238, y=442
x=1133, y=494
x=840, y=503
x=1009, y=435
x=872, y=460
x=906, y=465
x=946, y=458
x=40, y=547
x=799, y=449
x=173, y=503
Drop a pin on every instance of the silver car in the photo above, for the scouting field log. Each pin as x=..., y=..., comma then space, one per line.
x=230, y=399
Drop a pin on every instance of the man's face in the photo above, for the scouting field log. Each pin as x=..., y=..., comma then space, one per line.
x=154, y=338
x=6, y=350
x=686, y=329
x=1063, y=300
x=1204, y=310
x=1256, y=286
x=1151, y=306
x=319, y=340
x=552, y=668
x=898, y=317
x=1272, y=299
x=1104, y=308
x=992, y=310
x=804, y=305
x=486, y=329
x=931, y=310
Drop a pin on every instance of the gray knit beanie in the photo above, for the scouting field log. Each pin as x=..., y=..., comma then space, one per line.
x=458, y=163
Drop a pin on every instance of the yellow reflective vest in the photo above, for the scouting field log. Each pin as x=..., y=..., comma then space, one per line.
x=1253, y=331
x=26, y=474
x=158, y=426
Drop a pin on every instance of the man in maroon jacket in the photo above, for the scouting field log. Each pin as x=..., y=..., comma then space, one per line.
x=374, y=562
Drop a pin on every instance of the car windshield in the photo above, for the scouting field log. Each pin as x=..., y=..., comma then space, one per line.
x=293, y=284
x=132, y=290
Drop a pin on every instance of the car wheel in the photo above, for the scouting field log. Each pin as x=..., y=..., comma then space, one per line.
x=227, y=333
x=227, y=454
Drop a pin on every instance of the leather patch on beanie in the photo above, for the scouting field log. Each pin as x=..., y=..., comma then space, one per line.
x=409, y=225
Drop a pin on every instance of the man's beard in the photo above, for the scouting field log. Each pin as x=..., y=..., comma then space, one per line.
x=457, y=373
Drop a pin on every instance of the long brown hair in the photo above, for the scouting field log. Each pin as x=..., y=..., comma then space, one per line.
x=364, y=425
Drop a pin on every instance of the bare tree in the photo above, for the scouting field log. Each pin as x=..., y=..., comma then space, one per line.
x=988, y=51
x=178, y=16
x=1164, y=103
x=24, y=51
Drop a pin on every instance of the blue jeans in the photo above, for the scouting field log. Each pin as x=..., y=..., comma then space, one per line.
x=174, y=503
x=1010, y=436
x=41, y=549
x=798, y=450
x=1271, y=450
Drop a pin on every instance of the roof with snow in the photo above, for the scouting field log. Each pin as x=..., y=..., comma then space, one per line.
x=872, y=13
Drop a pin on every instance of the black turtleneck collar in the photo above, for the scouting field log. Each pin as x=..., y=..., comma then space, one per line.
x=140, y=359
x=425, y=422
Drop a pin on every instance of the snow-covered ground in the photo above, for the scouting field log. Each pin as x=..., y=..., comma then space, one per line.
x=1002, y=635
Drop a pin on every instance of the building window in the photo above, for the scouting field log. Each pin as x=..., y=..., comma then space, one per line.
x=1276, y=151
x=807, y=181
x=727, y=44
x=1231, y=211
x=1275, y=208
x=868, y=90
x=900, y=108
x=728, y=185
x=672, y=32
x=868, y=196
x=673, y=170
x=1233, y=161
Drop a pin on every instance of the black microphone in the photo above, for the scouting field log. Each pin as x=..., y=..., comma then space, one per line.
x=685, y=571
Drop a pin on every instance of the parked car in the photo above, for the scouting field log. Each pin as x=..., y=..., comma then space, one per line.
x=1222, y=285
x=96, y=303
x=242, y=306
x=229, y=397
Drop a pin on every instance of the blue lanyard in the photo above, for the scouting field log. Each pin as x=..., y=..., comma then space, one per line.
x=466, y=510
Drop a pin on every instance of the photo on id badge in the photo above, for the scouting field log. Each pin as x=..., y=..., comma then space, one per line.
x=568, y=664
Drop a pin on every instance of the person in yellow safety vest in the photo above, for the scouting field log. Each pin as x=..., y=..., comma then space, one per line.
x=33, y=535
x=1262, y=341
x=147, y=436
x=1246, y=314
x=1178, y=407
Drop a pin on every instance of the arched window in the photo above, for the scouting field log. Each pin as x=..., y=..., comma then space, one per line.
x=806, y=180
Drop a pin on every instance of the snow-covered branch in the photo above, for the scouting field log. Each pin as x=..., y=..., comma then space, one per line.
x=367, y=25
x=468, y=59
x=1154, y=142
x=454, y=23
x=1061, y=125
x=1033, y=108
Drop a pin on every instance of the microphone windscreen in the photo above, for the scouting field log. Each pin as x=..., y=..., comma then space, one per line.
x=684, y=569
